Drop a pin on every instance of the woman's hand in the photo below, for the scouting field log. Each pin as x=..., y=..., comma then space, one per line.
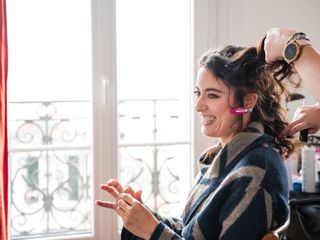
x=275, y=43
x=305, y=117
x=136, y=218
x=114, y=188
x=127, y=203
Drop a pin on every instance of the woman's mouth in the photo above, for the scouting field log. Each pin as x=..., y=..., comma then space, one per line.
x=207, y=120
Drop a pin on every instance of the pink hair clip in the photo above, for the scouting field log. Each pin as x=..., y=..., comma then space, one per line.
x=240, y=110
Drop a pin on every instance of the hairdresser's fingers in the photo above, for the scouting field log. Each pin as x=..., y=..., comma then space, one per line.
x=299, y=114
x=106, y=204
x=272, y=49
x=284, y=133
x=301, y=124
x=313, y=130
x=275, y=42
x=298, y=127
x=290, y=128
x=270, y=54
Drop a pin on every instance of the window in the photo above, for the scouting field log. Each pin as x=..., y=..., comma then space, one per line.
x=154, y=86
x=97, y=90
x=49, y=118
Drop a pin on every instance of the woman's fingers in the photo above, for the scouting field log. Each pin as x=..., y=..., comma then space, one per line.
x=115, y=184
x=111, y=190
x=124, y=197
x=123, y=209
x=136, y=218
x=113, y=187
x=106, y=204
x=127, y=198
x=138, y=195
x=121, y=213
x=128, y=190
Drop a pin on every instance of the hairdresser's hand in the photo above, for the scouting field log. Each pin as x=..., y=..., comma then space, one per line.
x=306, y=117
x=275, y=42
x=136, y=218
x=114, y=188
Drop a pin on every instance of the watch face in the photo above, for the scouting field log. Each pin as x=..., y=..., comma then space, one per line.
x=290, y=52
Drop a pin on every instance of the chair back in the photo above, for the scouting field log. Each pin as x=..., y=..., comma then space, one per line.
x=276, y=234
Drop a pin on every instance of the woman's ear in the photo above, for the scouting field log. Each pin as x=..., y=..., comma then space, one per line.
x=250, y=100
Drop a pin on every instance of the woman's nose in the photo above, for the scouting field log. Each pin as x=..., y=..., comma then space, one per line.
x=200, y=105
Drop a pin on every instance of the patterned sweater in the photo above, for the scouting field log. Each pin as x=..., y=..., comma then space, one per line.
x=241, y=192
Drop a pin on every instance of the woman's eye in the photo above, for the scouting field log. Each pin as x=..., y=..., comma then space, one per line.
x=212, y=96
x=196, y=93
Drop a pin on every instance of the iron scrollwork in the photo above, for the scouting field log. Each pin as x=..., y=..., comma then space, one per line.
x=50, y=179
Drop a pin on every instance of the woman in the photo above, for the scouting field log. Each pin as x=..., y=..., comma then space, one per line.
x=241, y=191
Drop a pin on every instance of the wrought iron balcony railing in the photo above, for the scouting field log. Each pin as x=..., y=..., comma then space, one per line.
x=51, y=161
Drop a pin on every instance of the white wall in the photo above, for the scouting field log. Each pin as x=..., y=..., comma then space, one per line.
x=244, y=22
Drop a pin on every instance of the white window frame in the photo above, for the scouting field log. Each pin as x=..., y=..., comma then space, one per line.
x=204, y=28
x=105, y=146
x=105, y=103
x=105, y=152
x=212, y=25
x=104, y=100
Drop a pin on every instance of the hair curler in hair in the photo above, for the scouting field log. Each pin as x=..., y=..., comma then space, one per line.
x=240, y=110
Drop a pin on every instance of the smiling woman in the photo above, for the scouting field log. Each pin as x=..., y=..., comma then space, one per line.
x=241, y=191
x=213, y=101
x=241, y=78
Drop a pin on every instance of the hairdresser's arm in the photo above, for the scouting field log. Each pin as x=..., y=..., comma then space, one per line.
x=307, y=65
x=305, y=117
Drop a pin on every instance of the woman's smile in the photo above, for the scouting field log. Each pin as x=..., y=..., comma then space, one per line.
x=207, y=120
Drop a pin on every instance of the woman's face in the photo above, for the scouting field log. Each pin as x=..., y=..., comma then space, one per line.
x=213, y=100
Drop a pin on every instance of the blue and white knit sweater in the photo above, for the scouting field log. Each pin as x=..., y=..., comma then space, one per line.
x=241, y=192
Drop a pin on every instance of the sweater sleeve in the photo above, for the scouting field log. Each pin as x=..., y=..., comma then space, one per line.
x=246, y=214
x=170, y=228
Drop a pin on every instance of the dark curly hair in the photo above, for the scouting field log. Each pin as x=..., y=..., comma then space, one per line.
x=245, y=71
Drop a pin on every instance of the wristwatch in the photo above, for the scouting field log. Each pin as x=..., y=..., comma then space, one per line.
x=294, y=46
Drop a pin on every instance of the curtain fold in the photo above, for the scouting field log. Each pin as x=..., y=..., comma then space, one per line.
x=3, y=124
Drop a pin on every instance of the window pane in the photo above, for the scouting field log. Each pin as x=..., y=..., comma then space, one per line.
x=49, y=117
x=153, y=69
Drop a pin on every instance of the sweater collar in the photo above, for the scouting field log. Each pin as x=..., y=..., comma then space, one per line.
x=216, y=158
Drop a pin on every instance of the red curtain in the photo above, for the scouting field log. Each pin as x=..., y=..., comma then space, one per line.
x=3, y=124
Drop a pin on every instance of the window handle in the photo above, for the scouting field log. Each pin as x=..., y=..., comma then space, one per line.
x=105, y=86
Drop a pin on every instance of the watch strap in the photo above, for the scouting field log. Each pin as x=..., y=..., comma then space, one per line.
x=298, y=36
x=299, y=39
